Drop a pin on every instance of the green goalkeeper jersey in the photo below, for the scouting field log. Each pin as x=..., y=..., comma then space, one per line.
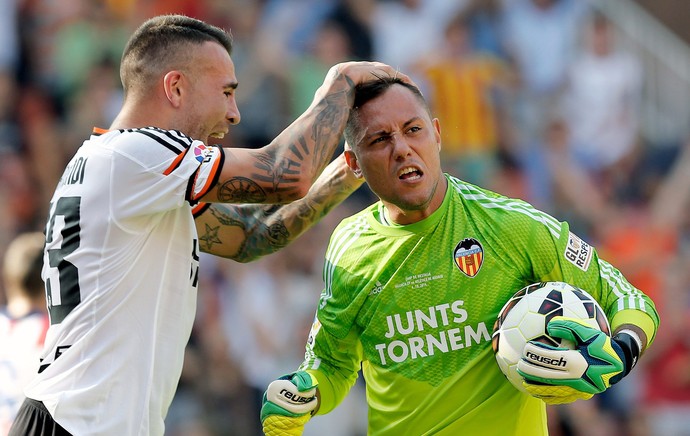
x=414, y=307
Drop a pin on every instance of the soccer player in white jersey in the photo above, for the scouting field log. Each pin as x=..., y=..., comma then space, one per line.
x=414, y=283
x=132, y=212
x=23, y=322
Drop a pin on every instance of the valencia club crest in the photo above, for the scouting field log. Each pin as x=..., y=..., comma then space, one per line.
x=468, y=256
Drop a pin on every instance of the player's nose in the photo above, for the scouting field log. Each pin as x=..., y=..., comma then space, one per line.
x=232, y=113
x=401, y=148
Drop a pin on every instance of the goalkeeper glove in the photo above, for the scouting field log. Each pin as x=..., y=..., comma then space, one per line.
x=288, y=404
x=562, y=375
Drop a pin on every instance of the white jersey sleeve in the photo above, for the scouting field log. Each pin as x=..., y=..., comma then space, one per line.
x=172, y=170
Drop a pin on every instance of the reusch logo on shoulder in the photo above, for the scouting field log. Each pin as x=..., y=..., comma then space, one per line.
x=469, y=256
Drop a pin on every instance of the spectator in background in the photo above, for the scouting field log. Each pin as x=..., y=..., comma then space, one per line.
x=95, y=102
x=23, y=322
x=464, y=87
x=259, y=55
x=19, y=209
x=329, y=46
x=540, y=37
x=666, y=399
x=44, y=151
x=15, y=181
x=292, y=24
x=9, y=35
x=404, y=30
x=354, y=16
x=9, y=69
x=91, y=36
x=13, y=176
x=642, y=237
x=484, y=18
x=602, y=99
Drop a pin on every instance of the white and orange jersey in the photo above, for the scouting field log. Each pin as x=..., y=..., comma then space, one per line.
x=120, y=267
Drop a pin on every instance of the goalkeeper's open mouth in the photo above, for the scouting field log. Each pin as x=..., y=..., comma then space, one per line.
x=410, y=173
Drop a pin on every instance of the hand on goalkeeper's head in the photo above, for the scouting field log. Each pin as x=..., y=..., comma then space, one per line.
x=562, y=375
x=288, y=404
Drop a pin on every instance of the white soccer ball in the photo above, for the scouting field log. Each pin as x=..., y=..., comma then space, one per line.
x=524, y=317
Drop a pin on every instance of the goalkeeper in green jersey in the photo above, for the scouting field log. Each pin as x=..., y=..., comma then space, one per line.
x=414, y=282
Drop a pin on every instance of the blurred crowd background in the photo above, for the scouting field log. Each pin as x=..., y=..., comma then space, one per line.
x=579, y=107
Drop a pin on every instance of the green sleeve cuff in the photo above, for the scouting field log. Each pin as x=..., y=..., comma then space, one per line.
x=636, y=318
x=326, y=392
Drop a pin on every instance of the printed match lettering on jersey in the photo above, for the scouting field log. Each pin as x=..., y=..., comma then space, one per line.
x=427, y=331
x=469, y=256
x=578, y=252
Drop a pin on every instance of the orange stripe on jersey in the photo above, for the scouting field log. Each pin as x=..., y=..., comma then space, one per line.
x=211, y=179
x=99, y=131
x=200, y=208
x=175, y=163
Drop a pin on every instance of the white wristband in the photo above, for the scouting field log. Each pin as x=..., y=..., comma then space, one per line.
x=633, y=335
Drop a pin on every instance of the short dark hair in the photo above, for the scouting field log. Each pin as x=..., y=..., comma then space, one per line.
x=367, y=91
x=160, y=43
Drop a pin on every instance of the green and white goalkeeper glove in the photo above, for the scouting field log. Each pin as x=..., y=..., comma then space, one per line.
x=288, y=404
x=561, y=375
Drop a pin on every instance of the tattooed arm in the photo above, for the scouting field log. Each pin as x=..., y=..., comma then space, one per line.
x=247, y=232
x=285, y=169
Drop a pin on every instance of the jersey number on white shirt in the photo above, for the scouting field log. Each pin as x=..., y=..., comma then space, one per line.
x=64, y=295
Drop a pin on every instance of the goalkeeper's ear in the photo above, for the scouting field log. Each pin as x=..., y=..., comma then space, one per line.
x=351, y=159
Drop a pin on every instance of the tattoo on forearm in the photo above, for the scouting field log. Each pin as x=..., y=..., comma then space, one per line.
x=324, y=129
x=264, y=230
x=268, y=228
x=277, y=172
x=241, y=190
x=283, y=173
x=223, y=216
x=277, y=234
x=209, y=237
x=277, y=227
